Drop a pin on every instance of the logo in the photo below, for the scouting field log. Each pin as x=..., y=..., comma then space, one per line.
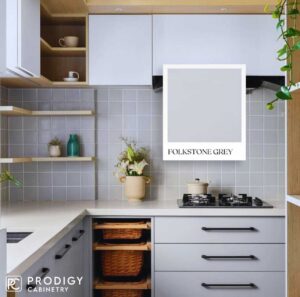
x=13, y=283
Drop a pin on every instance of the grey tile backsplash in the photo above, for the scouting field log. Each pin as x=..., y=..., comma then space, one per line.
x=134, y=112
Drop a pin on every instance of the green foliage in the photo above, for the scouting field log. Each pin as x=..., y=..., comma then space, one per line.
x=132, y=160
x=7, y=176
x=291, y=37
x=55, y=141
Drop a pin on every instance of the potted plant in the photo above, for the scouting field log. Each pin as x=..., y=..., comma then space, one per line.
x=54, y=147
x=130, y=170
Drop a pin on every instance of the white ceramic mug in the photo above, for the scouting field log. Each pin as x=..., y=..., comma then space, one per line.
x=73, y=74
x=68, y=41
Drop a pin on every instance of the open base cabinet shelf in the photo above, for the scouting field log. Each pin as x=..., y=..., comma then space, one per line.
x=122, y=257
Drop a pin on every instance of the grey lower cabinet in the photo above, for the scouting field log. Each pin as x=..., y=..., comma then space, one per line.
x=219, y=257
x=63, y=264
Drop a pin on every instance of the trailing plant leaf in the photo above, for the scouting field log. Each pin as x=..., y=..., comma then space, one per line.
x=291, y=37
x=296, y=46
x=291, y=32
x=284, y=93
x=287, y=67
x=279, y=24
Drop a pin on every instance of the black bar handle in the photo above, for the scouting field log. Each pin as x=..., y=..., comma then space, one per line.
x=41, y=275
x=212, y=286
x=250, y=257
x=81, y=232
x=228, y=229
x=60, y=255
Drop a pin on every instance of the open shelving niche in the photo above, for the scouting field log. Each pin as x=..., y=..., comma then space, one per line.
x=17, y=111
x=99, y=246
x=57, y=61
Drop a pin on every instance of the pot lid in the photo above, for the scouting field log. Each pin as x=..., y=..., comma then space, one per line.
x=197, y=182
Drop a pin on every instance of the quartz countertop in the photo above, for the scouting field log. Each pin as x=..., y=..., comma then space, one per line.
x=50, y=221
x=294, y=199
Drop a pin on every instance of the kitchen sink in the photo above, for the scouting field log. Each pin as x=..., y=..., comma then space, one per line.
x=15, y=237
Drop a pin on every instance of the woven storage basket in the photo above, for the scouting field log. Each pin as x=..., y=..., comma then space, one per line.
x=122, y=263
x=121, y=234
x=130, y=234
x=122, y=293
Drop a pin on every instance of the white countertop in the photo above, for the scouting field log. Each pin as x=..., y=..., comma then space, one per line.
x=294, y=199
x=50, y=221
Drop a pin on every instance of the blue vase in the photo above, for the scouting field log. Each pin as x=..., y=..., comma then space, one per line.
x=73, y=146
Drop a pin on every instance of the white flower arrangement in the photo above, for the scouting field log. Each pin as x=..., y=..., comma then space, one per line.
x=132, y=161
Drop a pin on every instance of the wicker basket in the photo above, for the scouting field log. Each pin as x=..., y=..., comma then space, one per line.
x=122, y=234
x=122, y=293
x=127, y=235
x=124, y=264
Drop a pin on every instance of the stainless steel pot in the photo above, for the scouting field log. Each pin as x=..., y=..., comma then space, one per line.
x=197, y=187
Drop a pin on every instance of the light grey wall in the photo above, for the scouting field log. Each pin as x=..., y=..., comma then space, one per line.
x=29, y=136
x=136, y=112
x=3, y=140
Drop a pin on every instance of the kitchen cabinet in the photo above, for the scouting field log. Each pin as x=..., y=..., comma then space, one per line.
x=65, y=259
x=216, y=39
x=22, y=38
x=120, y=50
x=2, y=261
x=2, y=37
x=219, y=256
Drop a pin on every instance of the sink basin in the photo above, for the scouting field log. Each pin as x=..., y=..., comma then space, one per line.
x=15, y=237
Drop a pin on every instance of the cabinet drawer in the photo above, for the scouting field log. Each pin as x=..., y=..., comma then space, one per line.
x=235, y=284
x=219, y=257
x=219, y=230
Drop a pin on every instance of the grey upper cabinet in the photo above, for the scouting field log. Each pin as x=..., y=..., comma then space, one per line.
x=2, y=37
x=120, y=50
x=216, y=39
x=22, y=38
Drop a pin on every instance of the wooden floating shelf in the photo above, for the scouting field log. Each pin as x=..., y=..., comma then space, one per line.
x=49, y=51
x=142, y=285
x=16, y=111
x=63, y=159
x=102, y=226
x=14, y=160
x=122, y=247
x=45, y=159
x=66, y=84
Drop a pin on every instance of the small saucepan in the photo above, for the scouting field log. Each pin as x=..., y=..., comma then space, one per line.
x=197, y=187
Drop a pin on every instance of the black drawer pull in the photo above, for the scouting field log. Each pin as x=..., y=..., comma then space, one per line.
x=228, y=229
x=81, y=232
x=218, y=286
x=41, y=275
x=250, y=257
x=61, y=254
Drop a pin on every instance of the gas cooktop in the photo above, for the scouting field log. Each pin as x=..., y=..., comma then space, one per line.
x=223, y=201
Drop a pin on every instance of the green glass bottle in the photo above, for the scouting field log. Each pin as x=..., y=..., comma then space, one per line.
x=73, y=146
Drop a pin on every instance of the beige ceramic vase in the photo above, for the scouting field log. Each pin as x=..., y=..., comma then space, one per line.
x=135, y=186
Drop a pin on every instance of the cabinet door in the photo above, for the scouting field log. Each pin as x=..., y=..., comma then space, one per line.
x=2, y=37
x=120, y=50
x=29, y=36
x=23, y=37
x=219, y=284
x=216, y=39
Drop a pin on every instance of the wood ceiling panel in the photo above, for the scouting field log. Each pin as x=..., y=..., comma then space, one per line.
x=81, y=7
x=61, y=7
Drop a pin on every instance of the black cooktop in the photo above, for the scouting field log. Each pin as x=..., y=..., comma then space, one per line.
x=223, y=201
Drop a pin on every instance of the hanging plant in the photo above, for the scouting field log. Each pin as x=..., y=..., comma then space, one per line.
x=290, y=35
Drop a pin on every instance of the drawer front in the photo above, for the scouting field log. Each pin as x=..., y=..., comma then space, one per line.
x=219, y=230
x=219, y=257
x=203, y=284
